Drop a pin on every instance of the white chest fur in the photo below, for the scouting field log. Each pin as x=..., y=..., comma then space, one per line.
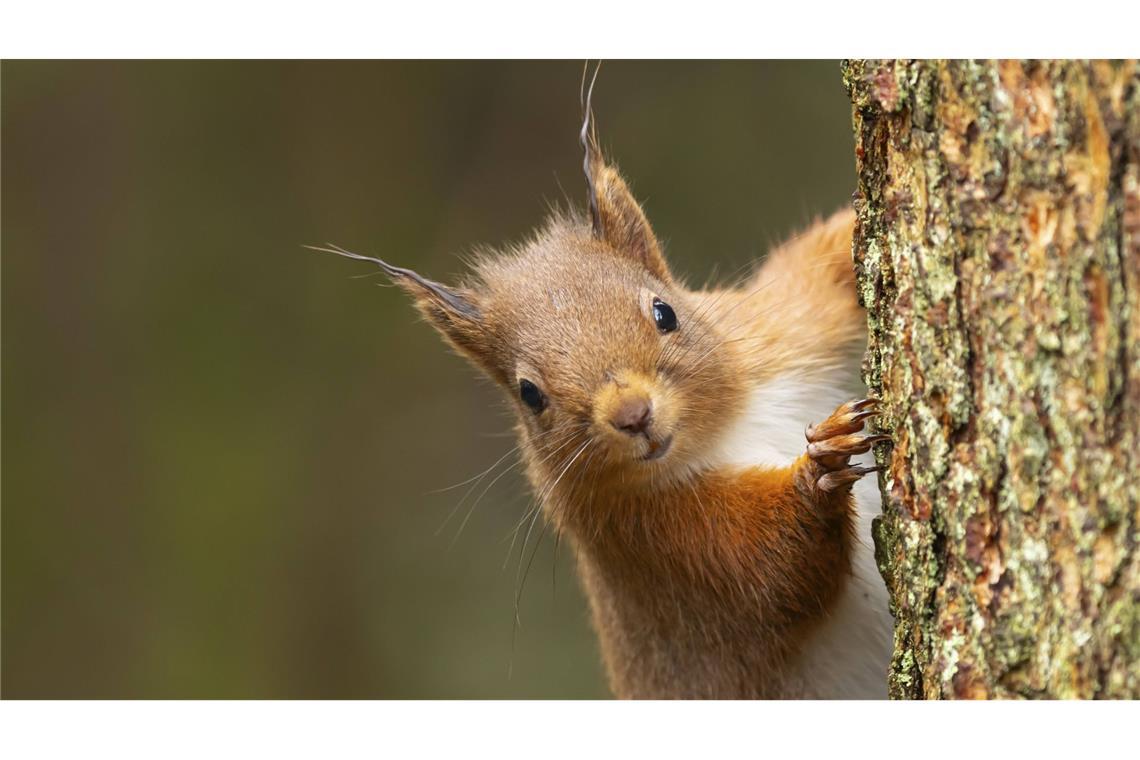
x=847, y=656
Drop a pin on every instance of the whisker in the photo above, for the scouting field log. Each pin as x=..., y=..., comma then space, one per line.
x=522, y=553
x=710, y=305
x=471, y=490
x=533, y=507
x=536, y=504
x=723, y=317
x=526, y=573
x=735, y=281
x=476, y=477
x=471, y=509
x=554, y=564
x=541, y=497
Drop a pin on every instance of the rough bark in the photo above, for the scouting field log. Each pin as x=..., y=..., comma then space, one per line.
x=998, y=254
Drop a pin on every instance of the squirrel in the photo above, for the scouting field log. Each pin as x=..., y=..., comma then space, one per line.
x=722, y=549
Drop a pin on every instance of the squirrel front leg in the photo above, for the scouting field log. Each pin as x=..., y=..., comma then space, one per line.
x=803, y=517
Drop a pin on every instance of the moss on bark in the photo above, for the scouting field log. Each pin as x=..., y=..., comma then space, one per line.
x=998, y=254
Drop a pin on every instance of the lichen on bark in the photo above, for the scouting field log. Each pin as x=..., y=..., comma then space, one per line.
x=997, y=249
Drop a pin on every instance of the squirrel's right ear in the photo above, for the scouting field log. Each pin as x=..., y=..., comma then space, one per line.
x=454, y=312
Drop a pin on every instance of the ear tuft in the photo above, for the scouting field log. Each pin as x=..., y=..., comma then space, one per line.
x=616, y=216
x=454, y=312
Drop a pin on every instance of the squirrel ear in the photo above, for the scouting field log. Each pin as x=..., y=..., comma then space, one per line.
x=454, y=312
x=618, y=219
x=616, y=216
x=451, y=311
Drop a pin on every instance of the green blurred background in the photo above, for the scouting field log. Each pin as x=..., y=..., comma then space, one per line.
x=220, y=450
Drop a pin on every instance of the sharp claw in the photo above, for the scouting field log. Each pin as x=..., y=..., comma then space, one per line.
x=864, y=403
x=839, y=478
x=838, y=424
x=814, y=450
x=840, y=447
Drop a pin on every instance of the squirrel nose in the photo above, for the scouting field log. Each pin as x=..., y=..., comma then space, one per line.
x=633, y=415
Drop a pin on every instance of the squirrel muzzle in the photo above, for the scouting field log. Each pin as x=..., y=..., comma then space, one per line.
x=632, y=414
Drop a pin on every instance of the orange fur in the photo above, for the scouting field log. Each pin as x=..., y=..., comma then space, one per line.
x=706, y=590
x=799, y=310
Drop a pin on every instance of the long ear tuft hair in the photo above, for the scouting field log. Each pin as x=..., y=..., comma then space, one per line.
x=416, y=284
x=591, y=154
x=615, y=215
x=454, y=312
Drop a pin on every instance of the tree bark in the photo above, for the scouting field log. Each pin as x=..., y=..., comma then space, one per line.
x=997, y=249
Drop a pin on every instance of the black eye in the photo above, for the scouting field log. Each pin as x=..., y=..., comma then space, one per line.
x=664, y=316
x=532, y=396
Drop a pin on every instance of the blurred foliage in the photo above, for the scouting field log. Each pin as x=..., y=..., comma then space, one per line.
x=221, y=451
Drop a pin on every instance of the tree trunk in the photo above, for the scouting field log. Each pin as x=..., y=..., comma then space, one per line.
x=998, y=254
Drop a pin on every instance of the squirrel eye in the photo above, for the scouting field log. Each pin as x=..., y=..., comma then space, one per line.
x=532, y=396
x=664, y=316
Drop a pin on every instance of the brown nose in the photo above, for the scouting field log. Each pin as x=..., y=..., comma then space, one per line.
x=633, y=415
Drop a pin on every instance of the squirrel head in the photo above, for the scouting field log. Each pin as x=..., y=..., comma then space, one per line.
x=610, y=363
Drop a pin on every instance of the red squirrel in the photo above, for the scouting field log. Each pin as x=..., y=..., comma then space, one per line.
x=722, y=549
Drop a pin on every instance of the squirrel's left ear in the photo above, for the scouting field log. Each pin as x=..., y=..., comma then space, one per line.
x=616, y=215
x=618, y=219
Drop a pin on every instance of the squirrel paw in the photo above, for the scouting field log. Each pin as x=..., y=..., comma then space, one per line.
x=835, y=439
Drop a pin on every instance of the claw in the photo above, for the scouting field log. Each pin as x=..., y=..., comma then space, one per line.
x=832, y=442
x=839, y=478
x=843, y=445
x=833, y=452
x=839, y=423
